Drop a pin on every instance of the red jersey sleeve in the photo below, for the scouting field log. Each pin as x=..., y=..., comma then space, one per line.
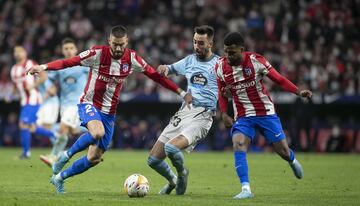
x=223, y=101
x=139, y=64
x=163, y=81
x=63, y=63
x=285, y=84
x=261, y=62
x=85, y=58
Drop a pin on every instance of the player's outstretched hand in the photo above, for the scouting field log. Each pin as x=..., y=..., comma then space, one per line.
x=305, y=93
x=34, y=70
x=188, y=100
x=226, y=92
x=163, y=70
x=228, y=121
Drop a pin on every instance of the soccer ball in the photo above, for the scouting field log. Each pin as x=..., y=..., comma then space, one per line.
x=136, y=185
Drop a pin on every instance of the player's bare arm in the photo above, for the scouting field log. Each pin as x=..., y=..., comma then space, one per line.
x=228, y=121
x=186, y=96
x=165, y=82
x=287, y=85
x=35, y=70
x=223, y=94
x=51, y=91
x=42, y=78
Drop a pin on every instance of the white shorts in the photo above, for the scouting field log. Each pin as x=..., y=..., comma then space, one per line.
x=48, y=114
x=194, y=124
x=70, y=116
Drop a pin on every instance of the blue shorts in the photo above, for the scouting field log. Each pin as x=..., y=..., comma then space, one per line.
x=269, y=126
x=28, y=113
x=88, y=112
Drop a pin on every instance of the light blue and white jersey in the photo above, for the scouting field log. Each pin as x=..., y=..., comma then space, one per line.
x=44, y=87
x=71, y=83
x=201, y=79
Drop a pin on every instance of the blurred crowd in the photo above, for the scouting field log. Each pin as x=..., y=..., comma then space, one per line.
x=315, y=43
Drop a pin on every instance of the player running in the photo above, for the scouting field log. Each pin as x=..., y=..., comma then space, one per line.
x=188, y=126
x=240, y=75
x=109, y=66
x=30, y=97
x=71, y=83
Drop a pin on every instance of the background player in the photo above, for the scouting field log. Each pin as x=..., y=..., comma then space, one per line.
x=188, y=126
x=49, y=110
x=240, y=75
x=109, y=66
x=71, y=83
x=30, y=99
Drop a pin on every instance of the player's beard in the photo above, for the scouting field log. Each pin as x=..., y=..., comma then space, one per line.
x=116, y=54
x=234, y=61
x=202, y=54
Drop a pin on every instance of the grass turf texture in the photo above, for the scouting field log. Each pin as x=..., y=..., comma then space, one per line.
x=329, y=180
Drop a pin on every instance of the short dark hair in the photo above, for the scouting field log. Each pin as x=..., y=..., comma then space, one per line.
x=234, y=38
x=118, y=31
x=67, y=41
x=205, y=29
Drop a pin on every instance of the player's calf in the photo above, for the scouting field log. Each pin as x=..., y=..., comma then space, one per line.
x=176, y=157
x=161, y=167
x=94, y=160
x=60, y=163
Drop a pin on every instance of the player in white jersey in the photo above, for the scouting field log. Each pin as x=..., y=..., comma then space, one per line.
x=71, y=83
x=30, y=98
x=188, y=126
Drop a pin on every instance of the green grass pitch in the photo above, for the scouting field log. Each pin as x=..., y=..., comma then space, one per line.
x=329, y=180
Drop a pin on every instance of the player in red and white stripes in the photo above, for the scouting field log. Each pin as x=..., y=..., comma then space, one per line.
x=109, y=67
x=240, y=75
x=30, y=99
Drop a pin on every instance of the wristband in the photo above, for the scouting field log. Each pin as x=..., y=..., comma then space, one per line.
x=44, y=67
x=182, y=94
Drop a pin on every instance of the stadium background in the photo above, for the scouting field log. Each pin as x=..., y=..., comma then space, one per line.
x=314, y=43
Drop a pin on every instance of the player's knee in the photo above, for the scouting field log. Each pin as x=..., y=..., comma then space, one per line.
x=32, y=128
x=152, y=161
x=97, y=133
x=23, y=126
x=64, y=129
x=94, y=160
x=285, y=153
x=239, y=146
x=170, y=149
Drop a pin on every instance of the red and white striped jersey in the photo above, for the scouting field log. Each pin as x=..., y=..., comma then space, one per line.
x=107, y=75
x=22, y=80
x=250, y=97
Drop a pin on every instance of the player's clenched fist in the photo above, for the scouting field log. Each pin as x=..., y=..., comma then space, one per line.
x=305, y=93
x=163, y=70
x=34, y=70
x=226, y=92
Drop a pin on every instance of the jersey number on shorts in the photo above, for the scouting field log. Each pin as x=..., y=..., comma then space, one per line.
x=89, y=110
x=175, y=121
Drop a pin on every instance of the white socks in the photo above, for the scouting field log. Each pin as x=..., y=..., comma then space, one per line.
x=58, y=176
x=246, y=186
